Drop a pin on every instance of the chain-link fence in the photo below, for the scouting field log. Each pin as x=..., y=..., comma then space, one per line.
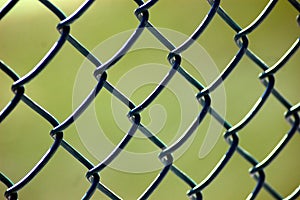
x=94, y=172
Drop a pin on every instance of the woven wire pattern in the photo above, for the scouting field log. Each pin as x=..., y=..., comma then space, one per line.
x=231, y=137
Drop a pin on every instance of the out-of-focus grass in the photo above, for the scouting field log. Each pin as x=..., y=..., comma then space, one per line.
x=27, y=33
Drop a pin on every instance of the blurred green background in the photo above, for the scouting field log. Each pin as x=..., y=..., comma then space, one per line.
x=27, y=33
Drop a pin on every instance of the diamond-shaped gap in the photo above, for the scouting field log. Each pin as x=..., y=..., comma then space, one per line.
x=26, y=38
x=53, y=88
x=93, y=27
x=146, y=51
x=218, y=41
x=139, y=67
x=178, y=16
x=244, y=12
x=243, y=89
x=287, y=79
x=237, y=178
x=276, y=34
x=20, y=149
x=198, y=167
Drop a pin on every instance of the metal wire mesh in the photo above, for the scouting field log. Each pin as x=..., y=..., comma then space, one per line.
x=231, y=136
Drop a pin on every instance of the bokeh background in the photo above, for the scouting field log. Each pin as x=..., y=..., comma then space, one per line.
x=28, y=32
